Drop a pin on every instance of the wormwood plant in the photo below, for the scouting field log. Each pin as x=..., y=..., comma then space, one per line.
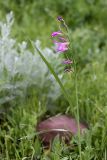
x=20, y=69
x=62, y=45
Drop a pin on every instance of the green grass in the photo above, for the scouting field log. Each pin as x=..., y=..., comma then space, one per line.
x=87, y=21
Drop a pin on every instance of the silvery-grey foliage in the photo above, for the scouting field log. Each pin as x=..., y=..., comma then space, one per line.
x=20, y=68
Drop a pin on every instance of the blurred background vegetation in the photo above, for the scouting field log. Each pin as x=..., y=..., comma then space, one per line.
x=87, y=20
x=37, y=18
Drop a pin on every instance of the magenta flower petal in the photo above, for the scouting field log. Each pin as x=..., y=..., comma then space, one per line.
x=61, y=46
x=56, y=33
x=67, y=61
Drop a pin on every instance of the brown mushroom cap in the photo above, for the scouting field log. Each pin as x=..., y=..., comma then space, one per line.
x=61, y=125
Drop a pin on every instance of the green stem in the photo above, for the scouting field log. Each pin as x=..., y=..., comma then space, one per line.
x=77, y=114
x=76, y=90
x=77, y=105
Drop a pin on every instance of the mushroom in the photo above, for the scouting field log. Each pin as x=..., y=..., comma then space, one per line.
x=61, y=125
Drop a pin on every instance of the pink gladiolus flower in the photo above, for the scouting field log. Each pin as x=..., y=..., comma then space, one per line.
x=67, y=61
x=56, y=33
x=61, y=46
